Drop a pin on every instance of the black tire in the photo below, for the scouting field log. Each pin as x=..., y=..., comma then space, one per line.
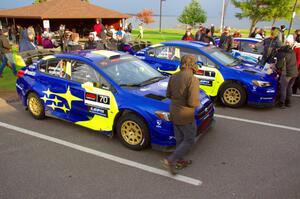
x=233, y=95
x=131, y=123
x=35, y=106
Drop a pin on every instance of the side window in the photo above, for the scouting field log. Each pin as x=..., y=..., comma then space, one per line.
x=56, y=67
x=83, y=73
x=168, y=52
x=200, y=57
x=250, y=47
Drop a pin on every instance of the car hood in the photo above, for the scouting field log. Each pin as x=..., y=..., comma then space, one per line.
x=157, y=91
x=250, y=69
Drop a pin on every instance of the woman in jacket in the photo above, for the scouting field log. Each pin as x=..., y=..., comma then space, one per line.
x=188, y=36
x=297, y=53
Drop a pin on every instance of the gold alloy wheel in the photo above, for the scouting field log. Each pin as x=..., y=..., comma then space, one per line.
x=34, y=106
x=131, y=133
x=232, y=96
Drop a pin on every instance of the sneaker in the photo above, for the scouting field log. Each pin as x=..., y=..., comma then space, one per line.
x=180, y=164
x=281, y=105
x=169, y=166
x=287, y=103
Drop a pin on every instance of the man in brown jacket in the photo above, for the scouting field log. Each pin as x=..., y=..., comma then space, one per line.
x=183, y=90
x=5, y=54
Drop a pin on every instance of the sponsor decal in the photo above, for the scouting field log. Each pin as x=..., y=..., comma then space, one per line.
x=97, y=100
x=206, y=82
x=158, y=123
x=98, y=111
x=31, y=73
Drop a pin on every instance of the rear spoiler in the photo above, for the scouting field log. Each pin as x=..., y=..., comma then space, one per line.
x=33, y=55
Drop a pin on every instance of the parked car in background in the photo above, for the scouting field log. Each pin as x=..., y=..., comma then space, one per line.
x=221, y=75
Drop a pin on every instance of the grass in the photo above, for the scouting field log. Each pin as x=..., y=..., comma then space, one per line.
x=8, y=82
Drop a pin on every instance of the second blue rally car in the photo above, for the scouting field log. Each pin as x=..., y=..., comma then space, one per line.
x=220, y=74
x=108, y=92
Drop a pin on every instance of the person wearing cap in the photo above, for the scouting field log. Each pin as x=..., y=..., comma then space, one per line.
x=226, y=40
x=92, y=44
x=271, y=45
x=183, y=90
x=120, y=40
x=110, y=43
x=287, y=66
x=5, y=53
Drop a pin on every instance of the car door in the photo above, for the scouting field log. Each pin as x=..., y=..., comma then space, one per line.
x=98, y=106
x=52, y=81
x=164, y=58
x=210, y=78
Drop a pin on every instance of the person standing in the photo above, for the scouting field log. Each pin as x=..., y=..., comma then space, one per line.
x=27, y=42
x=5, y=53
x=271, y=45
x=287, y=65
x=183, y=90
x=98, y=27
x=200, y=33
x=188, y=36
x=226, y=40
x=208, y=38
x=296, y=85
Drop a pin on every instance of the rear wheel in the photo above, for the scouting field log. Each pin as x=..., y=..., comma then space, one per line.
x=35, y=106
x=233, y=95
x=133, y=132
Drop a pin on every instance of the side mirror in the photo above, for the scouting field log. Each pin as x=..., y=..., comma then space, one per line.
x=151, y=54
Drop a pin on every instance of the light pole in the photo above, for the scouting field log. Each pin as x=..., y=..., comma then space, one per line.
x=222, y=16
x=160, y=14
x=293, y=17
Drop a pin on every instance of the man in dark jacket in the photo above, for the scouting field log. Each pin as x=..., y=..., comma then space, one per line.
x=271, y=45
x=5, y=53
x=110, y=43
x=200, y=33
x=92, y=44
x=226, y=40
x=287, y=65
x=27, y=42
x=183, y=90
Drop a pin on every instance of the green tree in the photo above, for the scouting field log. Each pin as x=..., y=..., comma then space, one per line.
x=282, y=9
x=255, y=10
x=193, y=14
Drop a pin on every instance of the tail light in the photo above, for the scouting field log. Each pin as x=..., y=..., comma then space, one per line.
x=200, y=72
x=20, y=73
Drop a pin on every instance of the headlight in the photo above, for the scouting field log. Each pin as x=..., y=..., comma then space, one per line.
x=261, y=83
x=163, y=115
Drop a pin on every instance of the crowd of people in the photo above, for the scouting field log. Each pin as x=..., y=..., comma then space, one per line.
x=32, y=38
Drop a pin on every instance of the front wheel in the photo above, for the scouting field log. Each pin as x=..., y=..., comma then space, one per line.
x=233, y=95
x=35, y=106
x=133, y=132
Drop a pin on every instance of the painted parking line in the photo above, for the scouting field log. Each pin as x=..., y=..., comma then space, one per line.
x=296, y=95
x=257, y=122
x=107, y=156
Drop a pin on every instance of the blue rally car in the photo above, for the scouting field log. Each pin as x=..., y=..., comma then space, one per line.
x=220, y=74
x=108, y=92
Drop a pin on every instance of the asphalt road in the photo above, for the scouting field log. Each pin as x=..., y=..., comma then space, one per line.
x=235, y=159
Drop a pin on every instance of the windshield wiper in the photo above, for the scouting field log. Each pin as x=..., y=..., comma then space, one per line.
x=152, y=80
x=236, y=62
x=130, y=85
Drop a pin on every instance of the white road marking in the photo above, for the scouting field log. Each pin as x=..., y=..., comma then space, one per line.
x=258, y=122
x=296, y=95
x=117, y=159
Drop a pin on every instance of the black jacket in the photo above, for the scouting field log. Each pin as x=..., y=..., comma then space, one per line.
x=93, y=45
x=226, y=42
x=270, y=49
x=286, y=61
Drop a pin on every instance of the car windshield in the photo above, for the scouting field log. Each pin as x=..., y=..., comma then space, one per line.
x=222, y=57
x=130, y=71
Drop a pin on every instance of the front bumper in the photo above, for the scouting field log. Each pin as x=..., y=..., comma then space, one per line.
x=262, y=96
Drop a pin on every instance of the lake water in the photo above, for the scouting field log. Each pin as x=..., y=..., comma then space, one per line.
x=170, y=22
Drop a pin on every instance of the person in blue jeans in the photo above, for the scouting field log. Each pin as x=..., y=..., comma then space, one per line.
x=5, y=53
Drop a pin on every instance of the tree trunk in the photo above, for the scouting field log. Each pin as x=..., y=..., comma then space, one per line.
x=253, y=24
x=274, y=21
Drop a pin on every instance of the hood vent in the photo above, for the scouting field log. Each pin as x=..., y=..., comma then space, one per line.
x=250, y=71
x=156, y=97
